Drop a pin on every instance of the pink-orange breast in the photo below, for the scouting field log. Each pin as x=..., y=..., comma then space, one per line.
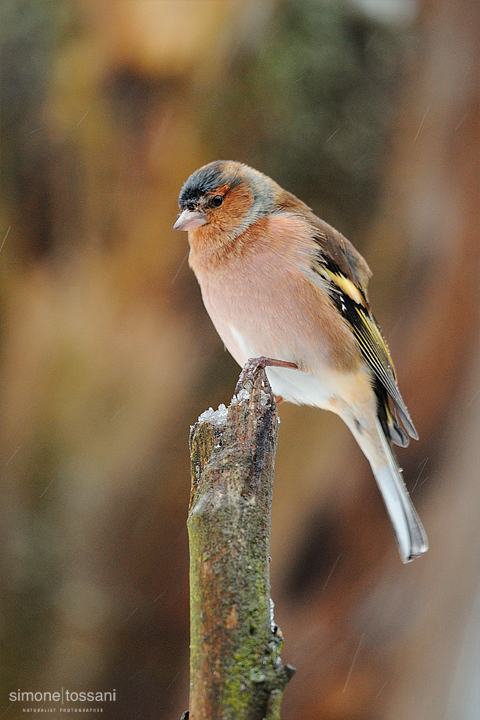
x=264, y=300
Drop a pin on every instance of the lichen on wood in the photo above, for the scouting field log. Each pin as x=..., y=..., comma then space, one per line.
x=235, y=666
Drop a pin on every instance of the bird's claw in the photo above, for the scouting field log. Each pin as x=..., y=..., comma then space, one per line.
x=252, y=366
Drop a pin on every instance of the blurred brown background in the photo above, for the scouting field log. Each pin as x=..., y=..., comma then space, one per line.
x=369, y=111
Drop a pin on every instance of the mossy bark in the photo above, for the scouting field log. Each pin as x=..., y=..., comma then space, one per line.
x=235, y=666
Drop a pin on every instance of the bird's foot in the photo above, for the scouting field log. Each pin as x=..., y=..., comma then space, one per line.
x=253, y=365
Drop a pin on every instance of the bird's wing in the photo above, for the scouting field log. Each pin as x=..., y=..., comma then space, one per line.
x=332, y=243
x=349, y=297
x=335, y=247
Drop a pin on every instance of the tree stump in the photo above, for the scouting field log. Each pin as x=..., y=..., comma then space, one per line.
x=235, y=667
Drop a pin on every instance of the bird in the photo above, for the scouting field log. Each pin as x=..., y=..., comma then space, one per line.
x=283, y=286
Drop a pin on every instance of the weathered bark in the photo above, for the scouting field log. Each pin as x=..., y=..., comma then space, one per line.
x=235, y=666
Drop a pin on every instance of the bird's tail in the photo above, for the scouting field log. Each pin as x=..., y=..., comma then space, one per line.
x=411, y=537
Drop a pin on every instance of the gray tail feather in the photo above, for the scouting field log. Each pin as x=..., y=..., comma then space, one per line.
x=411, y=537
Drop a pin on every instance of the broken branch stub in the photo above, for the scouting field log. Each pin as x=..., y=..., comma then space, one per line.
x=235, y=667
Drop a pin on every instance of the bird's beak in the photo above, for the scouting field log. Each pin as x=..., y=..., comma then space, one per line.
x=190, y=220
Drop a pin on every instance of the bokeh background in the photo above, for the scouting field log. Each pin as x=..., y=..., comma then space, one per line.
x=369, y=111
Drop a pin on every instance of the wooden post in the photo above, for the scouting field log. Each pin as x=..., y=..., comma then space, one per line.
x=235, y=668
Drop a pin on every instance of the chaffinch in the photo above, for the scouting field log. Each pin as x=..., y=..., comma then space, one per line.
x=279, y=282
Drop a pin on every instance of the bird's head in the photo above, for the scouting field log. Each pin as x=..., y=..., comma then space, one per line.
x=227, y=196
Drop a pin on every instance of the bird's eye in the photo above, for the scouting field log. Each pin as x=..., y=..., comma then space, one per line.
x=217, y=200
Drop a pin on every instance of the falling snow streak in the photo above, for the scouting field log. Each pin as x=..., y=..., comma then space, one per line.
x=353, y=663
x=47, y=488
x=422, y=468
x=84, y=116
x=5, y=237
x=12, y=456
x=378, y=694
x=178, y=271
x=423, y=120
x=331, y=572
